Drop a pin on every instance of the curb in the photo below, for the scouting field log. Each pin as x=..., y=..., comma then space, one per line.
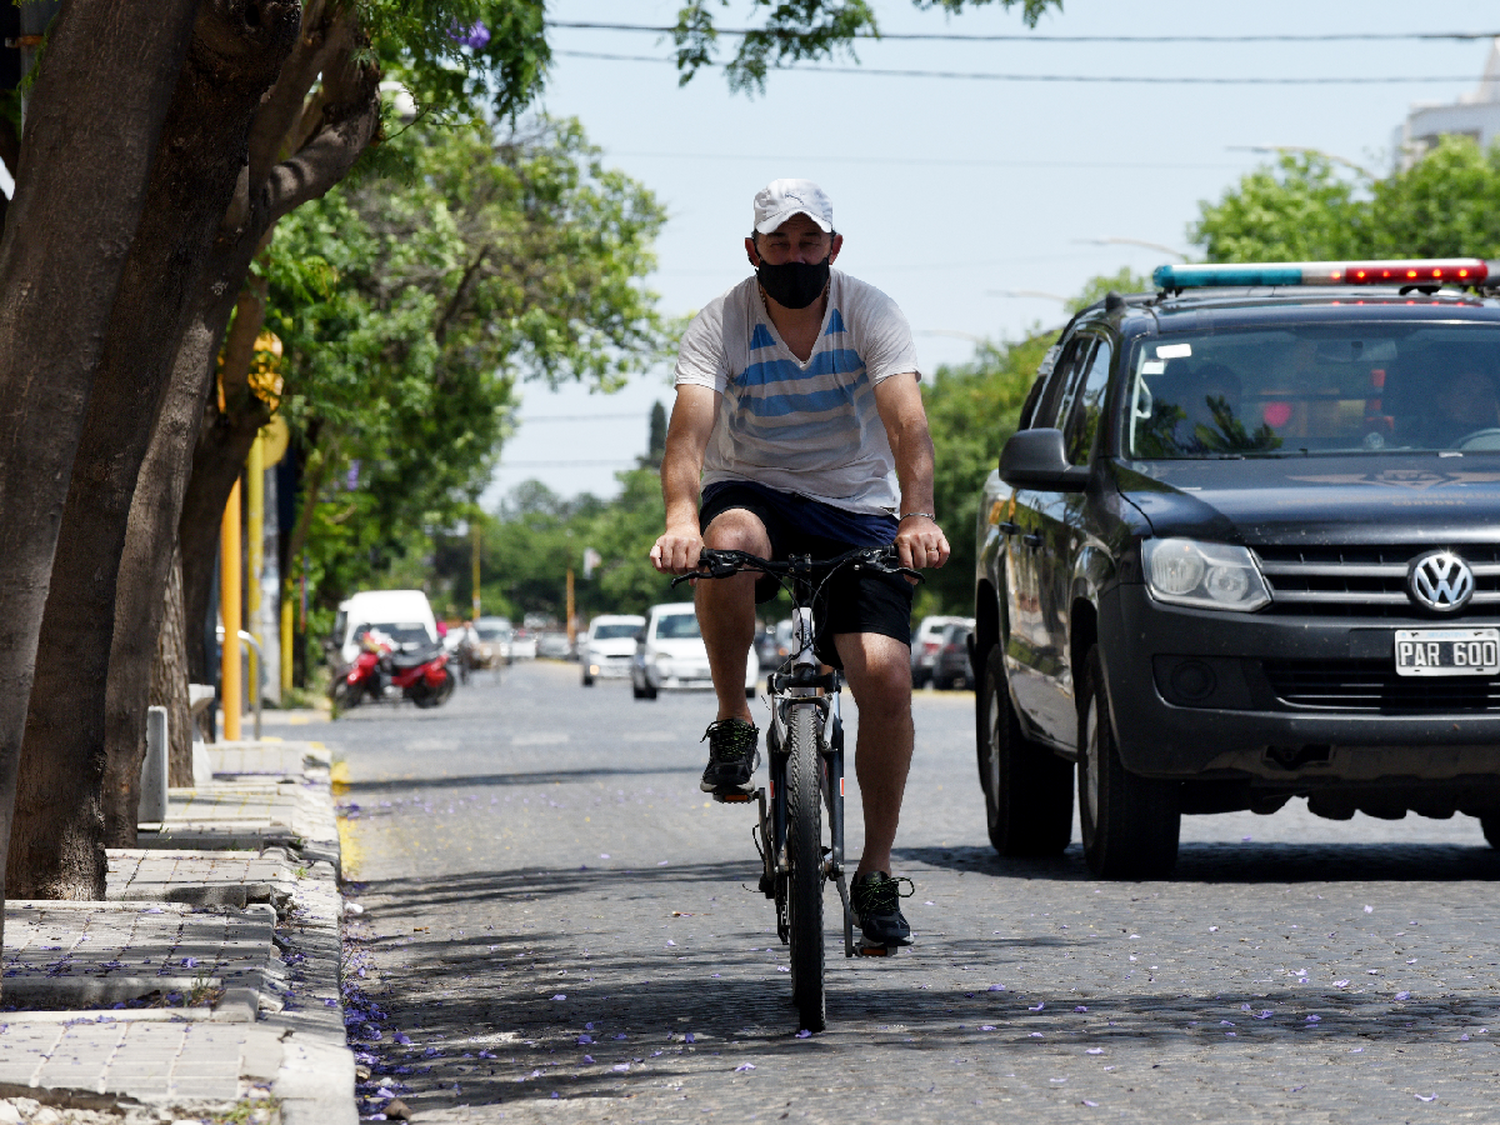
x=208, y=981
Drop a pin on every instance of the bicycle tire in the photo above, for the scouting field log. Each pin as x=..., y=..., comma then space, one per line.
x=804, y=846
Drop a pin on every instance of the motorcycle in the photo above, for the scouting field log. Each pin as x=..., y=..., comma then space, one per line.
x=381, y=673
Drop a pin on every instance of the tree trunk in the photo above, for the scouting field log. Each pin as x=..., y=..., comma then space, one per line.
x=96, y=116
x=125, y=723
x=169, y=681
x=144, y=625
x=57, y=845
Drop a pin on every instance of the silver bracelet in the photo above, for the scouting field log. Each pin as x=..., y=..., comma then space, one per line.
x=925, y=515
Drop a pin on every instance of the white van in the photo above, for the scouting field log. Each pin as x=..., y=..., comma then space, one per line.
x=403, y=615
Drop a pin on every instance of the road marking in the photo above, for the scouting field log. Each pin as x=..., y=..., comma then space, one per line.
x=541, y=738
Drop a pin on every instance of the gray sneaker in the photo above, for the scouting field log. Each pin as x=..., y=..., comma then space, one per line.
x=875, y=900
x=733, y=754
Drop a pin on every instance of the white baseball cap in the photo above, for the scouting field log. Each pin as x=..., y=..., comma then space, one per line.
x=779, y=200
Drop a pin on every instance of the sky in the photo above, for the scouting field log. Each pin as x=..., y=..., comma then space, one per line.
x=977, y=204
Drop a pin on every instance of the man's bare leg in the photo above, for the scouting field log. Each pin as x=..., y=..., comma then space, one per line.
x=726, y=609
x=878, y=669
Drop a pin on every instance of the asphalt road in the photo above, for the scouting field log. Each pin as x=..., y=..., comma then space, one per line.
x=557, y=926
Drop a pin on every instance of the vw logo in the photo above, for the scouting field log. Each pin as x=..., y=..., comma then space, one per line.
x=1440, y=581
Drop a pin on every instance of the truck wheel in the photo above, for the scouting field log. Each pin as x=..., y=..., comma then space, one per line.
x=1489, y=824
x=1130, y=823
x=1028, y=790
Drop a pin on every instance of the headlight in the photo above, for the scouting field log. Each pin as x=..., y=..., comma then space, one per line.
x=1207, y=575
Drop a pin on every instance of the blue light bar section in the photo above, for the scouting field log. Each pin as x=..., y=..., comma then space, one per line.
x=1198, y=277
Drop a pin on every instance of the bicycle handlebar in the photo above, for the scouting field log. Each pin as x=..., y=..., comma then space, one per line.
x=714, y=563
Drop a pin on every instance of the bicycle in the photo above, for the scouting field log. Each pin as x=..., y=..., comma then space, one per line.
x=805, y=753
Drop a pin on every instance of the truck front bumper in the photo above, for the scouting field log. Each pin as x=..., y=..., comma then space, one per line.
x=1287, y=698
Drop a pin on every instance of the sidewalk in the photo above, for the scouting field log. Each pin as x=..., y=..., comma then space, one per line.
x=206, y=984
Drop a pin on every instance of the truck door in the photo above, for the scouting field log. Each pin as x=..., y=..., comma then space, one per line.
x=1030, y=650
x=1062, y=516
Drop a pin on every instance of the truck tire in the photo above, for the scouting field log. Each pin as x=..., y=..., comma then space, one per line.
x=1130, y=823
x=1028, y=790
x=1489, y=824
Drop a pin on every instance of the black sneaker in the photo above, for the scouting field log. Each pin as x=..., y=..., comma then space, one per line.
x=733, y=755
x=876, y=901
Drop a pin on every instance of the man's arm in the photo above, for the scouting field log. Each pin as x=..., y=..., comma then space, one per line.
x=693, y=415
x=919, y=540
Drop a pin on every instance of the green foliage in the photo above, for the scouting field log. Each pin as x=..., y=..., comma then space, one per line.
x=408, y=311
x=454, y=55
x=1304, y=208
x=1301, y=209
x=528, y=546
x=798, y=31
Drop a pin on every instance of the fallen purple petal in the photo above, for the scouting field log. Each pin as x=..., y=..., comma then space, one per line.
x=1403, y=995
x=744, y=1067
x=805, y=1034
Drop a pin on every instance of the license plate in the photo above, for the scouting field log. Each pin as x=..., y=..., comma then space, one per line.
x=1447, y=652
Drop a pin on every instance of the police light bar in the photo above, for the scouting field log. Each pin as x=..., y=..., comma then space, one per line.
x=1416, y=271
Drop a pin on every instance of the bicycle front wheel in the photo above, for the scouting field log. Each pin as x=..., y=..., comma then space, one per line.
x=804, y=845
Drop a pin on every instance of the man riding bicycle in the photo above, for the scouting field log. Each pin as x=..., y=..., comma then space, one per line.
x=799, y=418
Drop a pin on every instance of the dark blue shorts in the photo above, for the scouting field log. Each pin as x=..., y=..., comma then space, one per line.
x=851, y=601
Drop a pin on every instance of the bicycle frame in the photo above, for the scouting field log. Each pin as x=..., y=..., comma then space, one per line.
x=806, y=685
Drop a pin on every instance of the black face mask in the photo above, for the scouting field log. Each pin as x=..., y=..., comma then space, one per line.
x=794, y=285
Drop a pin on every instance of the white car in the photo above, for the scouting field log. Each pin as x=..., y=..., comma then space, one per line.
x=670, y=654
x=606, y=649
x=927, y=642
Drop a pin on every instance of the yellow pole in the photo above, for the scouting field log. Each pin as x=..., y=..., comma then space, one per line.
x=571, y=637
x=255, y=550
x=286, y=639
x=476, y=570
x=229, y=610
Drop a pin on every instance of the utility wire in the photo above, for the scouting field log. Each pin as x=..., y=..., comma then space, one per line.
x=1144, y=80
x=954, y=37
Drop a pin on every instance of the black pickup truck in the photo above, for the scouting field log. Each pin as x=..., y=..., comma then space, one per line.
x=1245, y=547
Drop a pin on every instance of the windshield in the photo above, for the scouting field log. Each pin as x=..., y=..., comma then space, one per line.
x=405, y=633
x=677, y=627
x=492, y=632
x=1314, y=389
x=615, y=632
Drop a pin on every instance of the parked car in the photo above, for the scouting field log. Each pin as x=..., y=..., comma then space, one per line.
x=493, y=648
x=522, y=645
x=669, y=653
x=1243, y=548
x=926, y=642
x=607, y=648
x=951, y=668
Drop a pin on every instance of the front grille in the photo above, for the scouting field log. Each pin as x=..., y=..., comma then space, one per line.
x=1363, y=581
x=1372, y=686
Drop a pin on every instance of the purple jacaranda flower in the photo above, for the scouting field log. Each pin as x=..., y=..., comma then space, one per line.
x=476, y=35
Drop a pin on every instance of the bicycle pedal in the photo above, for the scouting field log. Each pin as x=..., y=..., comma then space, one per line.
x=733, y=798
x=863, y=948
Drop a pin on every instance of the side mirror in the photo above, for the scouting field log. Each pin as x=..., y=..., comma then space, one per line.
x=1037, y=459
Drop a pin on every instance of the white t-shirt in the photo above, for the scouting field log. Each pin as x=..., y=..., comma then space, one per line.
x=807, y=428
